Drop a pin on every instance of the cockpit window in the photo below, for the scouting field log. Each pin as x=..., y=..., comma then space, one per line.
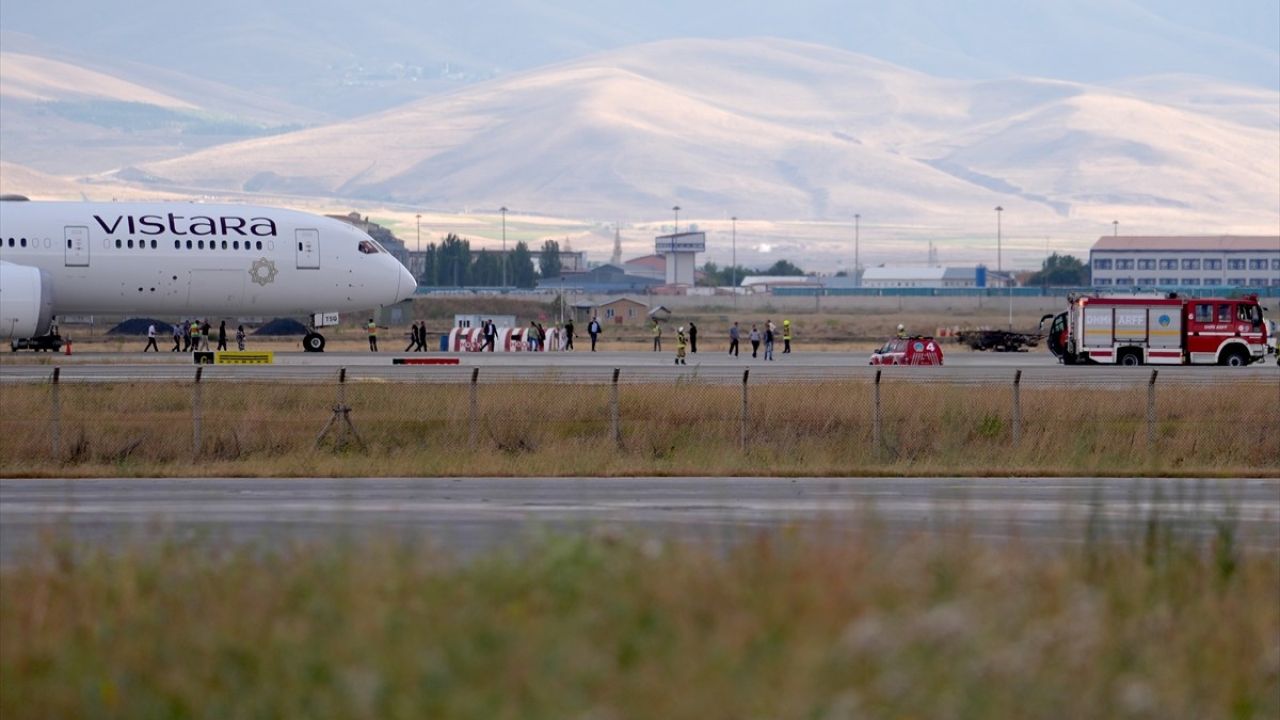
x=368, y=248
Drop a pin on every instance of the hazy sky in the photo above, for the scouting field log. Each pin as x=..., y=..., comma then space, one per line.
x=248, y=42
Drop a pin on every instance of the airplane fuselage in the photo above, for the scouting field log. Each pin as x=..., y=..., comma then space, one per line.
x=198, y=259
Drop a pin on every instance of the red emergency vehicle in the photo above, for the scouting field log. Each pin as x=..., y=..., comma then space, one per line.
x=908, y=351
x=1159, y=329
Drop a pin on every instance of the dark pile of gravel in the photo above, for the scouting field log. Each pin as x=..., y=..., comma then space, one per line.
x=138, y=326
x=281, y=326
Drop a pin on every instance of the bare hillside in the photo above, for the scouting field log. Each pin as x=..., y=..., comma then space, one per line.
x=780, y=130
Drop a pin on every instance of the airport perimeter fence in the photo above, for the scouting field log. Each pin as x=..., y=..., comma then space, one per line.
x=836, y=422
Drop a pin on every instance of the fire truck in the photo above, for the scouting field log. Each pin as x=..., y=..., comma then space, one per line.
x=1159, y=329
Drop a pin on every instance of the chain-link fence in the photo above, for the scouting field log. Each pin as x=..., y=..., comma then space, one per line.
x=826, y=424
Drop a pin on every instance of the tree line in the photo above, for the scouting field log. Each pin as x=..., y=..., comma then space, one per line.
x=452, y=263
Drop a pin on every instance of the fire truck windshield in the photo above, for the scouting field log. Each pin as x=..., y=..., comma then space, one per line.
x=1248, y=313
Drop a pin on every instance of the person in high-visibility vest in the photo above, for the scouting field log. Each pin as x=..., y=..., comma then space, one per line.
x=657, y=336
x=195, y=335
x=373, y=335
x=681, y=344
x=786, y=336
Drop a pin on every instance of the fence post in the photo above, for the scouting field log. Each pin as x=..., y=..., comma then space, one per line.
x=743, y=429
x=1017, y=407
x=614, y=430
x=342, y=408
x=1151, y=410
x=875, y=419
x=55, y=416
x=197, y=413
x=472, y=412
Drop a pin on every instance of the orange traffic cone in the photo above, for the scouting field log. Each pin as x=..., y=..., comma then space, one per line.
x=67, y=348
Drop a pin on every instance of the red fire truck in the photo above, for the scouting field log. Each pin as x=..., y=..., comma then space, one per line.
x=1159, y=329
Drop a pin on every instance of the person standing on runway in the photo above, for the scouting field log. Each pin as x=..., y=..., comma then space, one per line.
x=693, y=337
x=768, y=340
x=568, y=335
x=222, y=335
x=657, y=336
x=755, y=341
x=372, y=328
x=177, y=337
x=593, y=329
x=786, y=337
x=733, y=339
x=205, y=331
x=681, y=343
x=414, y=339
x=151, y=339
x=240, y=338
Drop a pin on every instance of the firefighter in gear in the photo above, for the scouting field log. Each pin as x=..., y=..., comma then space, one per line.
x=902, y=331
x=786, y=336
x=373, y=335
x=681, y=344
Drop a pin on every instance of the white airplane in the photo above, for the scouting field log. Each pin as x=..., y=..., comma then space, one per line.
x=185, y=259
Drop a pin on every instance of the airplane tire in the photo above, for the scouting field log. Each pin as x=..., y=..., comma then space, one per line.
x=313, y=342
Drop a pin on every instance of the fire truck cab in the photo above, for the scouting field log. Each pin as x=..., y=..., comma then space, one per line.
x=1159, y=330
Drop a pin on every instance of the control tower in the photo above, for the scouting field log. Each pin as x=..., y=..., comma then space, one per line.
x=680, y=251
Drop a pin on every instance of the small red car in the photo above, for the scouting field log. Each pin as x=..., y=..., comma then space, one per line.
x=908, y=351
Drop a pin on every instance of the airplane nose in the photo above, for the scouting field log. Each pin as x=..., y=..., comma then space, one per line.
x=406, y=285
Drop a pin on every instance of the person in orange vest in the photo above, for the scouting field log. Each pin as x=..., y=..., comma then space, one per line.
x=373, y=335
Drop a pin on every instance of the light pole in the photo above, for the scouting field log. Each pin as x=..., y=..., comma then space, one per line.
x=418, y=235
x=735, y=261
x=999, y=239
x=676, y=210
x=1115, y=228
x=857, y=261
x=503, y=210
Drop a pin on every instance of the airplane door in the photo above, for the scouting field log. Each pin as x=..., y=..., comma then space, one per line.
x=308, y=244
x=77, y=246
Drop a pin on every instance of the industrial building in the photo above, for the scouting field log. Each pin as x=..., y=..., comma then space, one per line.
x=1186, y=261
x=932, y=277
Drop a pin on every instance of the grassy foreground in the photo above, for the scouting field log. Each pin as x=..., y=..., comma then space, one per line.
x=689, y=428
x=842, y=625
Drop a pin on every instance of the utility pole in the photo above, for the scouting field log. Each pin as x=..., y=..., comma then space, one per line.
x=676, y=210
x=734, y=219
x=503, y=210
x=999, y=239
x=857, y=260
x=1115, y=228
x=418, y=237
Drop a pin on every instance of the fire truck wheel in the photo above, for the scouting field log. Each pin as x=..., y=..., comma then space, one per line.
x=1235, y=358
x=1131, y=358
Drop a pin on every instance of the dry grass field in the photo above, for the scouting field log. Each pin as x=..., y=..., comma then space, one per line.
x=686, y=428
x=847, y=623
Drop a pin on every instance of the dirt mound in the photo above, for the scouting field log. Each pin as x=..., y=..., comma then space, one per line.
x=138, y=326
x=280, y=327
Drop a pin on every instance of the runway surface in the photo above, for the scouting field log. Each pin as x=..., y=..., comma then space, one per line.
x=598, y=367
x=471, y=515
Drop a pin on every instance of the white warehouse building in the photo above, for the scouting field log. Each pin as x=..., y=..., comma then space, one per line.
x=931, y=277
x=1186, y=261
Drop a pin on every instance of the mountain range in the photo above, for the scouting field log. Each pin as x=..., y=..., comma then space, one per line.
x=759, y=128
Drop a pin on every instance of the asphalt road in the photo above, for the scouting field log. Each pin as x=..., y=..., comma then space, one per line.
x=471, y=515
x=1036, y=366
